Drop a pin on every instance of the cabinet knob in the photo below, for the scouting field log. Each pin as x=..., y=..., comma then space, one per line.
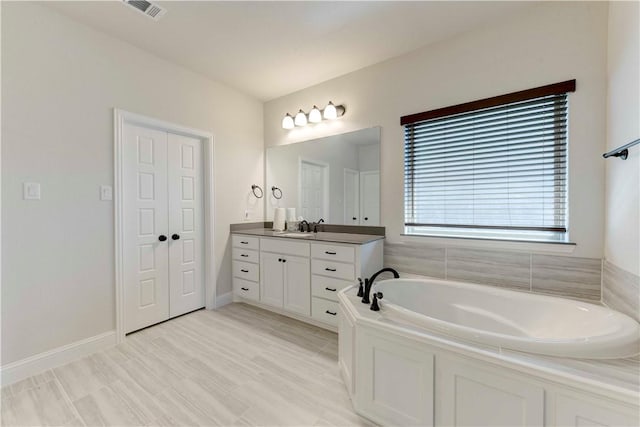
x=162, y=237
x=244, y=271
x=330, y=269
x=333, y=313
x=330, y=289
x=354, y=218
x=245, y=289
x=366, y=218
x=175, y=236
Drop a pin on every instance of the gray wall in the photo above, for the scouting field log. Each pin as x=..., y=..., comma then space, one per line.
x=61, y=81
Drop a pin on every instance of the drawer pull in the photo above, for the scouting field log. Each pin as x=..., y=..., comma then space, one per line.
x=329, y=252
x=333, y=313
x=331, y=289
x=244, y=271
x=330, y=269
x=244, y=255
x=245, y=243
x=245, y=289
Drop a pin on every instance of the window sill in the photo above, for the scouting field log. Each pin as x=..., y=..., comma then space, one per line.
x=559, y=247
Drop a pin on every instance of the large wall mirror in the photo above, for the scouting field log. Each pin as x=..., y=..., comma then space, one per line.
x=336, y=178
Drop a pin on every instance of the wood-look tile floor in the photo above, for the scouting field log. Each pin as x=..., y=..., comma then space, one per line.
x=240, y=365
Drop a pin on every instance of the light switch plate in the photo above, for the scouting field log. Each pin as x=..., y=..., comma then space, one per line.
x=106, y=192
x=31, y=191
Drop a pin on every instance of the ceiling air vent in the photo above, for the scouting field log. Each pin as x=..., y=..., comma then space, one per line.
x=151, y=10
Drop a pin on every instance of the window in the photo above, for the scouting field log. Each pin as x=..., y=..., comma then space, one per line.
x=494, y=168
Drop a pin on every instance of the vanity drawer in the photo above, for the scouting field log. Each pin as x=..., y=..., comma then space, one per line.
x=245, y=255
x=245, y=270
x=324, y=311
x=246, y=242
x=333, y=252
x=246, y=289
x=333, y=269
x=285, y=246
x=328, y=287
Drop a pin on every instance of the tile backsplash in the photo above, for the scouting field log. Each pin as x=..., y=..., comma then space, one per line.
x=545, y=274
x=621, y=290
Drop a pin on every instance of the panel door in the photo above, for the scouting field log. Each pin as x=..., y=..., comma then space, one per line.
x=297, y=285
x=145, y=257
x=186, y=224
x=312, y=191
x=370, y=198
x=468, y=394
x=351, y=197
x=271, y=279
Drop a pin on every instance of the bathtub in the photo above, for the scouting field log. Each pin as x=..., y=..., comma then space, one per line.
x=509, y=319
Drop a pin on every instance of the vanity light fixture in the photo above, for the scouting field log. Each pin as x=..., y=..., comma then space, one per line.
x=287, y=122
x=333, y=112
x=301, y=118
x=316, y=115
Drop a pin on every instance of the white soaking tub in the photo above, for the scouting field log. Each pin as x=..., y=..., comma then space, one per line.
x=509, y=319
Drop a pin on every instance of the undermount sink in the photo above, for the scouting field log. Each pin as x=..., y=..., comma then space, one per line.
x=296, y=235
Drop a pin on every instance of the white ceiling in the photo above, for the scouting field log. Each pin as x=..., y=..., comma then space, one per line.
x=270, y=49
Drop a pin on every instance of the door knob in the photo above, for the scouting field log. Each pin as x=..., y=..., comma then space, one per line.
x=162, y=237
x=175, y=236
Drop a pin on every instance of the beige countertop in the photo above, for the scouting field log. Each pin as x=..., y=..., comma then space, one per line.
x=320, y=236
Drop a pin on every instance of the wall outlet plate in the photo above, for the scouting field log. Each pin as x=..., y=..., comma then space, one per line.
x=31, y=191
x=106, y=192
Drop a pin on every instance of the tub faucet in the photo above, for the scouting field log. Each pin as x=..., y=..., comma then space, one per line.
x=369, y=282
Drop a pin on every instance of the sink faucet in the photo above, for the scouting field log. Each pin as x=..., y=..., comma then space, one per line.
x=369, y=282
x=301, y=226
x=316, y=224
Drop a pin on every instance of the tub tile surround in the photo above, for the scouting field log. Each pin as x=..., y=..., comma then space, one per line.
x=566, y=276
x=621, y=290
x=497, y=268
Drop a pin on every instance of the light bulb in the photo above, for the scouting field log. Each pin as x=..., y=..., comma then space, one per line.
x=301, y=119
x=314, y=115
x=330, y=111
x=287, y=122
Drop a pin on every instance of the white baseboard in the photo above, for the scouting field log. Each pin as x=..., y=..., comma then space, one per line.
x=224, y=299
x=21, y=369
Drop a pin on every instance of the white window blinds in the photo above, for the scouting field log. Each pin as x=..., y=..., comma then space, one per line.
x=499, y=167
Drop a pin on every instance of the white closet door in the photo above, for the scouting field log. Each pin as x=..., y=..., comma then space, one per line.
x=351, y=197
x=186, y=224
x=370, y=198
x=145, y=256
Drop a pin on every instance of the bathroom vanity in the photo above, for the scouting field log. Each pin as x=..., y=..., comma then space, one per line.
x=300, y=274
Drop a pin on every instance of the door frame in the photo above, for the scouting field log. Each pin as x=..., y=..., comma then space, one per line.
x=120, y=118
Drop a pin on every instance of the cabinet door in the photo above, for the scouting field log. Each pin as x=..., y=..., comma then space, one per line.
x=271, y=279
x=297, y=285
x=576, y=412
x=468, y=394
x=394, y=380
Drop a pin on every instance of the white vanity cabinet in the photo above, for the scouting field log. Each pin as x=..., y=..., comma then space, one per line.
x=245, y=267
x=298, y=277
x=334, y=266
x=285, y=272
